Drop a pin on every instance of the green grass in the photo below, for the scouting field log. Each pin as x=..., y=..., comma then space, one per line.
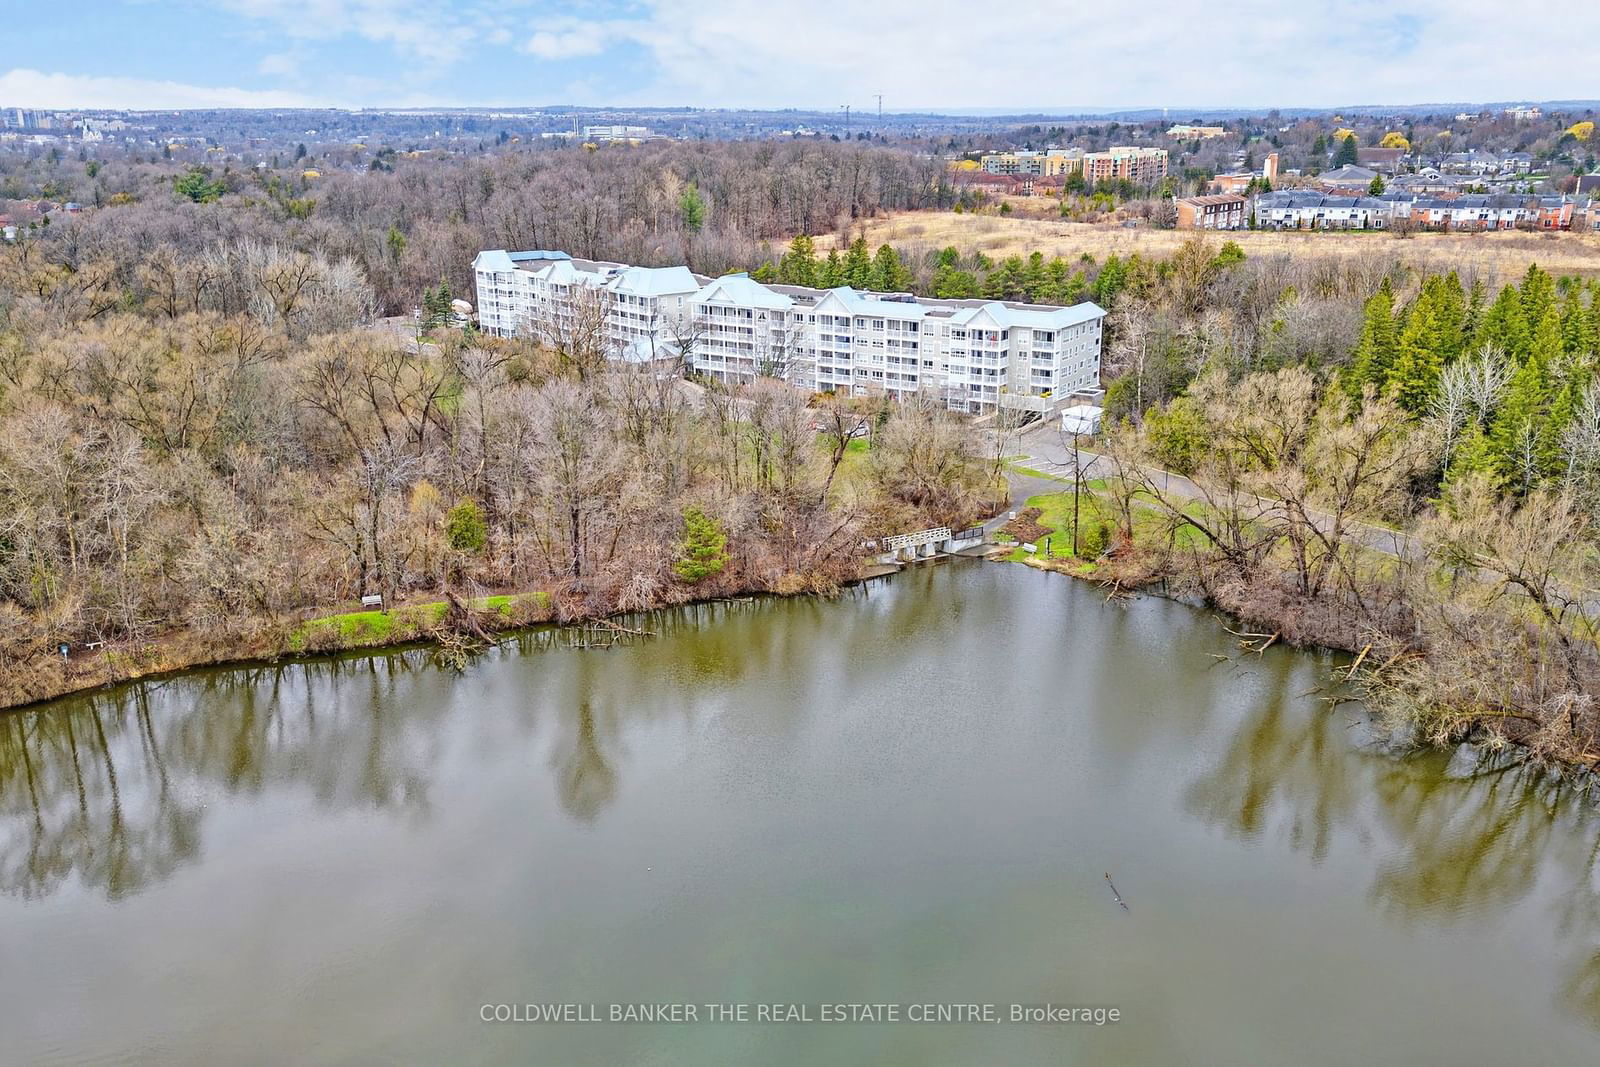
x=1030, y=472
x=362, y=628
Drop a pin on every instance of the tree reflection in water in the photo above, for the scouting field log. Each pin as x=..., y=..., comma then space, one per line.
x=1451, y=850
x=110, y=788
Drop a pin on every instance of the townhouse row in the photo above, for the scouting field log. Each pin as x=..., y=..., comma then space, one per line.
x=1308, y=210
x=974, y=355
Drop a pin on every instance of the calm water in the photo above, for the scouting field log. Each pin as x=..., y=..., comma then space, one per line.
x=910, y=795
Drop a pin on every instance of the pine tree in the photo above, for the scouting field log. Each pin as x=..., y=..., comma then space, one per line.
x=831, y=274
x=1473, y=455
x=1548, y=346
x=1347, y=153
x=1474, y=317
x=1418, y=361
x=1007, y=281
x=1375, y=351
x=952, y=284
x=692, y=208
x=703, y=551
x=1034, y=277
x=1538, y=292
x=1577, y=328
x=1506, y=327
x=858, y=264
x=799, y=265
x=1450, y=308
x=1517, y=423
x=1110, y=281
x=888, y=275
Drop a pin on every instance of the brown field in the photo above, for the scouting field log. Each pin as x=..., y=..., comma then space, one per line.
x=1496, y=257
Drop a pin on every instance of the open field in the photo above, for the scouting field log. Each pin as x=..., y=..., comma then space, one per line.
x=1496, y=257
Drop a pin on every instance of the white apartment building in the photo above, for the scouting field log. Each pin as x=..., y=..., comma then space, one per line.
x=974, y=354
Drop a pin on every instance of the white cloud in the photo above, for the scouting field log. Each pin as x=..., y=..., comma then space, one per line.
x=32, y=88
x=426, y=30
x=573, y=40
x=941, y=53
x=280, y=64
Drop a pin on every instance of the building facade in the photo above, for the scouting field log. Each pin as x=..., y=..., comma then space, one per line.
x=1225, y=212
x=973, y=355
x=1142, y=166
x=1055, y=162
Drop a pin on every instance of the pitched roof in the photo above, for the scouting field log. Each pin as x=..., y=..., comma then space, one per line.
x=741, y=289
x=653, y=281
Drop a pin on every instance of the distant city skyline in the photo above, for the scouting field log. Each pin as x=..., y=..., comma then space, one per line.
x=931, y=55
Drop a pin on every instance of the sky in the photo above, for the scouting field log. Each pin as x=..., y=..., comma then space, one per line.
x=1040, y=55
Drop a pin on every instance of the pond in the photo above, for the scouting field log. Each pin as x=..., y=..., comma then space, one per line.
x=907, y=796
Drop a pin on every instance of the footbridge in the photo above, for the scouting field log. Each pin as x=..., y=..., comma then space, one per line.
x=926, y=544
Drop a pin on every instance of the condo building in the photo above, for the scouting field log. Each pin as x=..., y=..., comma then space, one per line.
x=973, y=355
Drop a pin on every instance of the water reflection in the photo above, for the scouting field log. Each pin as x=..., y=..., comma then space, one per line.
x=110, y=788
x=111, y=791
x=1446, y=851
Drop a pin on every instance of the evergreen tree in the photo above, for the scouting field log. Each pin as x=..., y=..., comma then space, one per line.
x=1034, y=277
x=1418, y=362
x=1449, y=305
x=1375, y=351
x=1515, y=433
x=1007, y=281
x=1538, y=292
x=831, y=274
x=1474, y=318
x=799, y=265
x=1594, y=311
x=1110, y=281
x=692, y=208
x=1473, y=454
x=858, y=264
x=952, y=284
x=1347, y=152
x=464, y=527
x=1577, y=328
x=1506, y=327
x=888, y=274
x=703, y=551
x=1548, y=346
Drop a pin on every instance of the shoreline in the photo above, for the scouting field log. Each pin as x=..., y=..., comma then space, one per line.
x=1511, y=753
x=177, y=659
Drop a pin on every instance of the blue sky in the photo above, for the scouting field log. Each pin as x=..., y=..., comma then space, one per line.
x=794, y=53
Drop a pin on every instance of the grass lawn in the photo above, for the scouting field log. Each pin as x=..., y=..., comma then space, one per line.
x=359, y=628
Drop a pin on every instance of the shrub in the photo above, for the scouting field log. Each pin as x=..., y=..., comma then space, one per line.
x=703, y=552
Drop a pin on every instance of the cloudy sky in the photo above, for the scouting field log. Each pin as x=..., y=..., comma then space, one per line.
x=1037, y=55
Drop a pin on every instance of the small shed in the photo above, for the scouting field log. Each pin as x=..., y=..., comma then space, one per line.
x=1081, y=419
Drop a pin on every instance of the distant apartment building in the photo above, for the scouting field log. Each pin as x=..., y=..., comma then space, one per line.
x=1142, y=166
x=1184, y=132
x=603, y=134
x=1524, y=114
x=1224, y=212
x=1050, y=163
x=972, y=355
